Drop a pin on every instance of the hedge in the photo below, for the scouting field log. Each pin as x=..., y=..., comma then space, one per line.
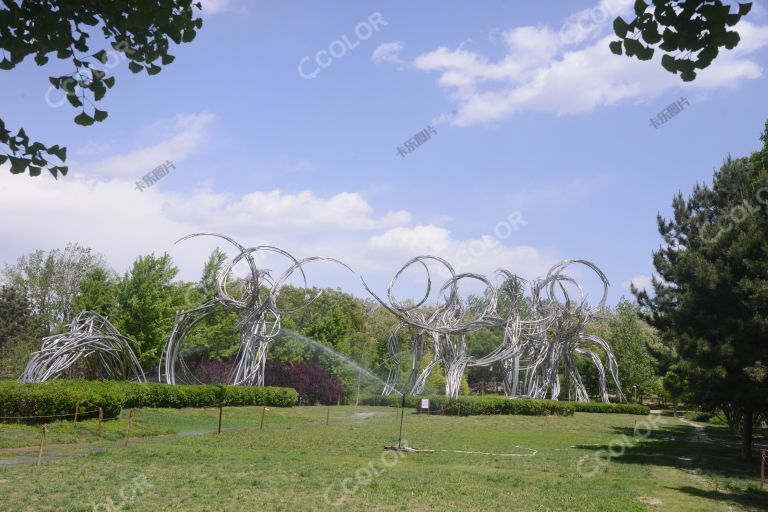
x=642, y=410
x=494, y=404
x=57, y=398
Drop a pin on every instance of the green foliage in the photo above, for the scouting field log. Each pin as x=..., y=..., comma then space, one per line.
x=98, y=292
x=711, y=300
x=147, y=305
x=494, y=404
x=689, y=32
x=601, y=407
x=141, y=32
x=631, y=339
x=20, y=332
x=61, y=397
x=51, y=281
x=479, y=405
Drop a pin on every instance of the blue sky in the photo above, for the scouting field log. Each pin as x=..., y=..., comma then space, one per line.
x=534, y=121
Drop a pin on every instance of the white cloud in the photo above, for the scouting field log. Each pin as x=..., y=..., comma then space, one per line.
x=187, y=133
x=278, y=211
x=484, y=255
x=98, y=205
x=641, y=282
x=545, y=71
x=388, y=52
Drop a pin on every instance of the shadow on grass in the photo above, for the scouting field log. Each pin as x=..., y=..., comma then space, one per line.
x=746, y=498
x=671, y=446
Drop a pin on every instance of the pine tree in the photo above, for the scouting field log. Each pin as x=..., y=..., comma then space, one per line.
x=711, y=297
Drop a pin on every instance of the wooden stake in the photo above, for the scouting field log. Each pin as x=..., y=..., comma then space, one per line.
x=101, y=418
x=128, y=426
x=357, y=397
x=77, y=410
x=327, y=416
x=221, y=410
x=263, y=412
x=42, y=443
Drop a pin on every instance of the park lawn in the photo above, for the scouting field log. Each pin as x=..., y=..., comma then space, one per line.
x=299, y=463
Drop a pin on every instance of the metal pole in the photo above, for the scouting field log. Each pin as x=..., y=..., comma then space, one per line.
x=327, y=416
x=101, y=418
x=263, y=412
x=221, y=410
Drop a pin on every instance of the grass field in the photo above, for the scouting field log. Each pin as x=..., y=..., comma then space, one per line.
x=178, y=462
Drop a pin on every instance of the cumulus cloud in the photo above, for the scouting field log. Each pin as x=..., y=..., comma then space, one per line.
x=484, y=254
x=568, y=72
x=98, y=205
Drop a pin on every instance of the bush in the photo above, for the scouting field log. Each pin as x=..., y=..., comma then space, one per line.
x=59, y=398
x=600, y=407
x=493, y=404
x=479, y=405
x=311, y=381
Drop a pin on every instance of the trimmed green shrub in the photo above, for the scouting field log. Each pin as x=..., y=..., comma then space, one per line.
x=642, y=410
x=391, y=400
x=494, y=404
x=40, y=402
x=479, y=405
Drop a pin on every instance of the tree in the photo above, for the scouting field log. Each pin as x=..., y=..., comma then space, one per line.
x=147, y=302
x=140, y=31
x=711, y=297
x=630, y=338
x=51, y=281
x=98, y=292
x=216, y=337
x=676, y=387
x=20, y=332
x=689, y=32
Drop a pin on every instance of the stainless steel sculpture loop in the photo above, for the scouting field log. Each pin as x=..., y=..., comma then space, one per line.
x=539, y=325
x=92, y=339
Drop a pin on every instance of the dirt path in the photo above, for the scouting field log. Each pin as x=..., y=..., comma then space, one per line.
x=698, y=434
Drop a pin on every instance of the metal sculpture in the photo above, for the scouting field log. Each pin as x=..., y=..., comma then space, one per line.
x=541, y=334
x=553, y=348
x=92, y=339
x=259, y=321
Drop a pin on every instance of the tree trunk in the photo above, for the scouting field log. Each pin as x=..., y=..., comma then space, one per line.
x=746, y=436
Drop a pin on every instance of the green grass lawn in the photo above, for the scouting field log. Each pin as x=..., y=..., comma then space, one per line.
x=177, y=462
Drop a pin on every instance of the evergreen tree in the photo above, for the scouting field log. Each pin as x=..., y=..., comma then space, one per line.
x=711, y=297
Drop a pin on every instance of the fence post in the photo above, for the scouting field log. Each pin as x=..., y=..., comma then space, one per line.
x=327, y=416
x=221, y=410
x=42, y=443
x=101, y=418
x=263, y=412
x=77, y=410
x=128, y=426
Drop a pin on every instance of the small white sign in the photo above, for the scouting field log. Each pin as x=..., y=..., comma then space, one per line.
x=425, y=403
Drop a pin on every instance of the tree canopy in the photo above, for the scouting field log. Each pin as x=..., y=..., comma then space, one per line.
x=141, y=32
x=711, y=295
x=690, y=33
